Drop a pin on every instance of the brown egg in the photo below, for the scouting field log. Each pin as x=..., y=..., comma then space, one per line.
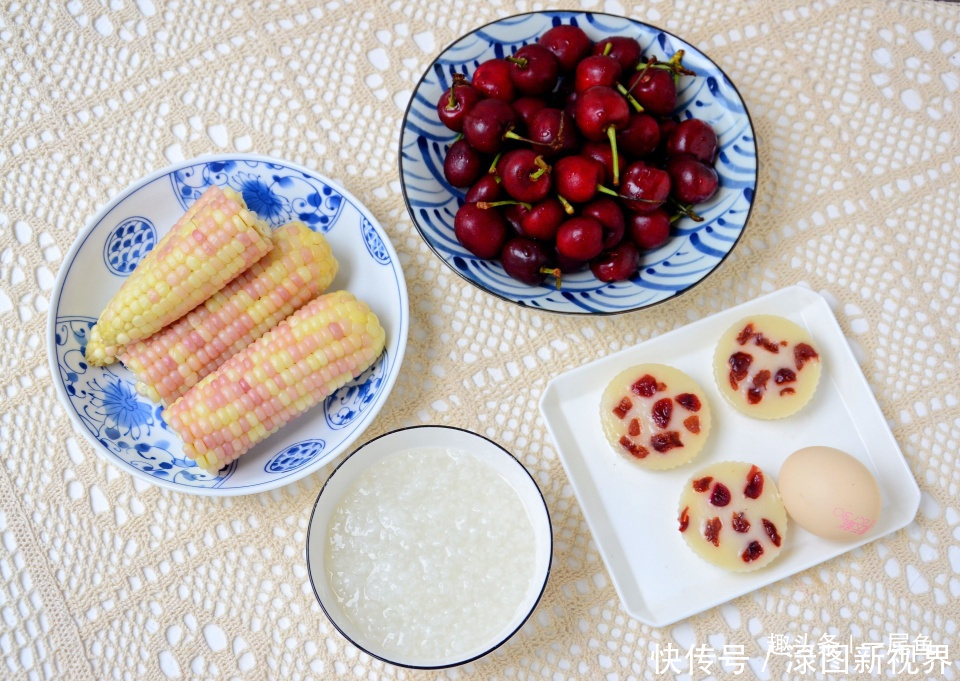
x=829, y=493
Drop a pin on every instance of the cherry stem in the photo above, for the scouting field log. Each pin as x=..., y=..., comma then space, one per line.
x=519, y=61
x=567, y=208
x=686, y=210
x=555, y=272
x=604, y=190
x=542, y=165
x=612, y=136
x=496, y=204
x=459, y=137
x=458, y=79
x=607, y=49
x=676, y=63
x=511, y=135
x=493, y=166
x=633, y=102
x=643, y=68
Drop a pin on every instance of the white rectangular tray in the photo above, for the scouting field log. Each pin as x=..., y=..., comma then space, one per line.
x=633, y=512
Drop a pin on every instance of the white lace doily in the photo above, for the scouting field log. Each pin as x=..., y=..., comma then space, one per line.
x=855, y=106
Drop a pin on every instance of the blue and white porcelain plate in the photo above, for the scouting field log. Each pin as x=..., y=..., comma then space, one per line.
x=128, y=430
x=696, y=249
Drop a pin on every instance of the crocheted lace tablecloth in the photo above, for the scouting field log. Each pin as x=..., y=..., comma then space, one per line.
x=855, y=106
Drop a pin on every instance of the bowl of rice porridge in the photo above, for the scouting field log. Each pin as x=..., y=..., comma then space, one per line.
x=429, y=547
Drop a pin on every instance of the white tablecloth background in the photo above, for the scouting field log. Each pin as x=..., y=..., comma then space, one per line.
x=855, y=106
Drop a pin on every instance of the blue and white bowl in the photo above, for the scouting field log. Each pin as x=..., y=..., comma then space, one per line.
x=127, y=429
x=697, y=248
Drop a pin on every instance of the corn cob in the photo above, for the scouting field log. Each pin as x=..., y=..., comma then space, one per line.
x=294, y=366
x=217, y=239
x=298, y=269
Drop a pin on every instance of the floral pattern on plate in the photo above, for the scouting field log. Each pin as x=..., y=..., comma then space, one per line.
x=127, y=425
x=295, y=456
x=274, y=192
x=344, y=406
x=128, y=429
x=127, y=245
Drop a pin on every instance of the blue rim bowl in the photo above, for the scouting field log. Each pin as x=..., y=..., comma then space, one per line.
x=694, y=251
x=412, y=437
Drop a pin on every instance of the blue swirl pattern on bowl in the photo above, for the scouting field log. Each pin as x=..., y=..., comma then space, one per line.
x=692, y=254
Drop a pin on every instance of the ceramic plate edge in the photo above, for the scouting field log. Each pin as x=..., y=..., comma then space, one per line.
x=584, y=313
x=813, y=298
x=852, y=361
x=308, y=470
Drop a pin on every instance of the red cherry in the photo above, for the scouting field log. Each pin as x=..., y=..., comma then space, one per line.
x=565, y=94
x=554, y=133
x=692, y=182
x=514, y=215
x=482, y=232
x=485, y=189
x=580, y=238
x=695, y=138
x=486, y=123
x=456, y=101
x=640, y=136
x=534, y=70
x=570, y=106
x=625, y=50
x=576, y=179
x=566, y=217
x=543, y=220
x=527, y=260
x=650, y=230
x=525, y=175
x=463, y=164
x=600, y=112
x=667, y=126
x=654, y=89
x=644, y=188
x=616, y=264
x=606, y=211
x=603, y=154
x=597, y=70
x=568, y=265
x=569, y=44
x=528, y=107
x=492, y=78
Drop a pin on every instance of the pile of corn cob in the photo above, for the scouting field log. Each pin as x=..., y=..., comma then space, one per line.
x=222, y=323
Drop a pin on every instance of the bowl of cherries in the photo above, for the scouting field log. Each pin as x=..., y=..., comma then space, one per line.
x=578, y=162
